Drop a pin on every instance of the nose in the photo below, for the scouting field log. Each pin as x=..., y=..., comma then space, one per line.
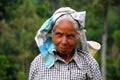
x=64, y=41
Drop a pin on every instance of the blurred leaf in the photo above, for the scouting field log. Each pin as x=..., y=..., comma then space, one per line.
x=116, y=36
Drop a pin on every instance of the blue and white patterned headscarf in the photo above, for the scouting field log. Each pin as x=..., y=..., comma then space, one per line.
x=43, y=38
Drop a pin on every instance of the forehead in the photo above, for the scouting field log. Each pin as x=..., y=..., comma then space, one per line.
x=65, y=25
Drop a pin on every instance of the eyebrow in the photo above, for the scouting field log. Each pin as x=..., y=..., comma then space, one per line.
x=58, y=32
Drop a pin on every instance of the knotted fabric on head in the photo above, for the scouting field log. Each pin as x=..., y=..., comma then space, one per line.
x=44, y=40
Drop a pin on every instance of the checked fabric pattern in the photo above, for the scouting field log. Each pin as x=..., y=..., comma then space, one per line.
x=82, y=66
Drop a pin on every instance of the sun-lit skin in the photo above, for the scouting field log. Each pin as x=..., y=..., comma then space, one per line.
x=64, y=39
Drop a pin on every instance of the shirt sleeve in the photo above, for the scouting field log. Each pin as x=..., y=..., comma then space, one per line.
x=32, y=71
x=95, y=70
x=34, y=68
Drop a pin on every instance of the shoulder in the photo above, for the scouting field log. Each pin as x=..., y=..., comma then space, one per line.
x=37, y=64
x=37, y=61
x=92, y=64
x=89, y=59
x=35, y=67
x=38, y=58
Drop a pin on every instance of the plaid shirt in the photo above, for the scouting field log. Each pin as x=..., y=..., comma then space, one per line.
x=82, y=66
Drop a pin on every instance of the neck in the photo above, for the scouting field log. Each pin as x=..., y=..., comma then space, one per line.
x=66, y=57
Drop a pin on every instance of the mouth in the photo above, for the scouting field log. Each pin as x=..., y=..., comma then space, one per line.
x=63, y=49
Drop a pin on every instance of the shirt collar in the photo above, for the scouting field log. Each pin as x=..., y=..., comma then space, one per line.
x=57, y=57
x=76, y=57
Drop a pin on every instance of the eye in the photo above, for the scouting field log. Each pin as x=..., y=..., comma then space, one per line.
x=58, y=34
x=71, y=36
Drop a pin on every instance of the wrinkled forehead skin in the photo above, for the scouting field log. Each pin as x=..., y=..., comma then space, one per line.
x=66, y=17
x=66, y=23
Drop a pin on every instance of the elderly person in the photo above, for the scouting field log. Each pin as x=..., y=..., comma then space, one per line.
x=64, y=53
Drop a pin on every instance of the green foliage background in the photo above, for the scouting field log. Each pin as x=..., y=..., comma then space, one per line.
x=20, y=20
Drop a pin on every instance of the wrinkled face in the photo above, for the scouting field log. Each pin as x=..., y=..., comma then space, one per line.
x=64, y=37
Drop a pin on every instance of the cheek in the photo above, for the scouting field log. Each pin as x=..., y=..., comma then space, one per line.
x=56, y=41
x=72, y=43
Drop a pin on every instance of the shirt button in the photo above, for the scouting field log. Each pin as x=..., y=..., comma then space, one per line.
x=68, y=68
